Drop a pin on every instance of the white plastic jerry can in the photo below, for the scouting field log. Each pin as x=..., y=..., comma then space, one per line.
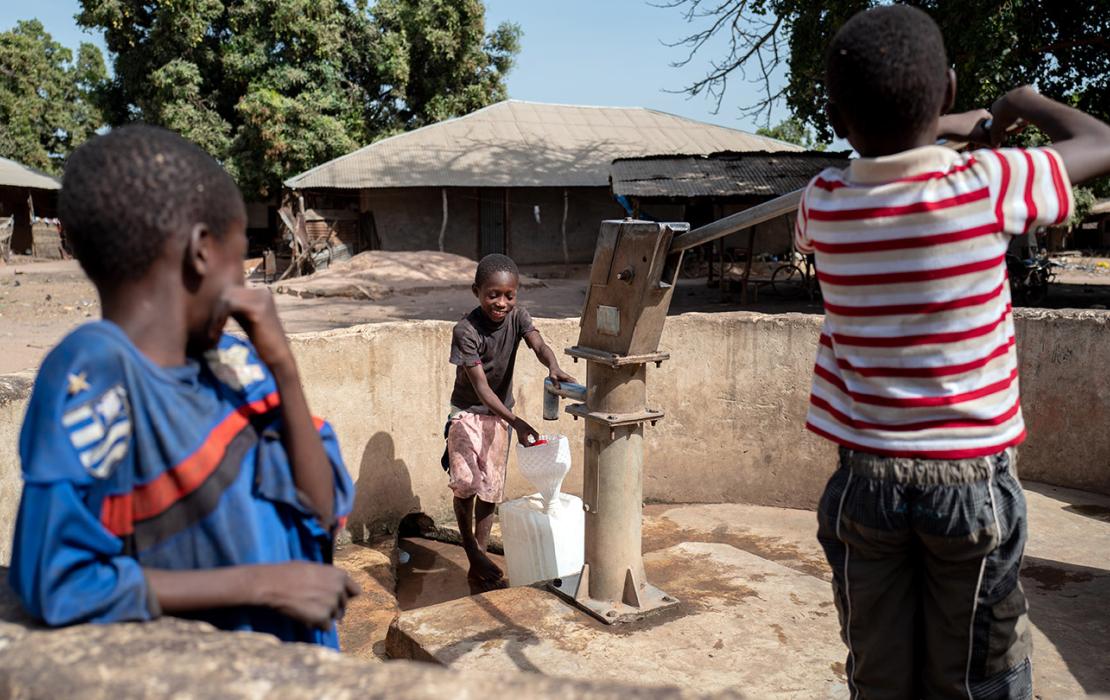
x=544, y=533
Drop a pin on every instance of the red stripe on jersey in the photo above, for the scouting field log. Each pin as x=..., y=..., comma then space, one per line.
x=1030, y=202
x=905, y=243
x=911, y=276
x=1058, y=183
x=921, y=425
x=1003, y=189
x=969, y=453
x=921, y=372
x=119, y=513
x=928, y=308
x=920, y=401
x=900, y=341
x=833, y=185
x=901, y=210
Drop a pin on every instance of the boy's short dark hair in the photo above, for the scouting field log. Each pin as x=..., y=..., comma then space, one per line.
x=128, y=192
x=491, y=265
x=887, y=70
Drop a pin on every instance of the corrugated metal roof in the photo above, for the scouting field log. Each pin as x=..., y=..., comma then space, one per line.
x=526, y=144
x=13, y=174
x=720, y=174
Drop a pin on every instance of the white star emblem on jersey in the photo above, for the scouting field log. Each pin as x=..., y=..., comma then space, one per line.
x=77, y=383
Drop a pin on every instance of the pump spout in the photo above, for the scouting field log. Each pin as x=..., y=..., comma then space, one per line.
x=551, y=394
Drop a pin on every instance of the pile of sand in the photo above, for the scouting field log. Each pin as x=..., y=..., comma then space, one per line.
x=376, y=274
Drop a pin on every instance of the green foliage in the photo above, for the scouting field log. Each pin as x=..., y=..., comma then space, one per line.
x=47, y=100
x=1061, y=47
x=274, y=87
x=792, y=130
x=1085, y=198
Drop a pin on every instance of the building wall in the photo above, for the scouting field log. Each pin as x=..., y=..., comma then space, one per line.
x=13, y=202
x=410, y=219
x=532, y=242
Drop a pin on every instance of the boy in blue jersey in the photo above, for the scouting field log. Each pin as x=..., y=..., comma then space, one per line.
x=169, y=467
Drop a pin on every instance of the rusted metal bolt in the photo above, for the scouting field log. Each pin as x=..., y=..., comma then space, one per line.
x=626, y=274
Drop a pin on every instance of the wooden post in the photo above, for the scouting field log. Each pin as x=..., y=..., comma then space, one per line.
x=566, y=204
x=443, y=226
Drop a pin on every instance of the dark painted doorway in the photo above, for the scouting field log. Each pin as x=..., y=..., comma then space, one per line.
x=491, y=221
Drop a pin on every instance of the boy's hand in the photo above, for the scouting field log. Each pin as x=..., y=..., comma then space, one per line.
x=965, y=126
x=314, y=594
x=525, y=434
x=255, y=311
x=1006, y=115
x=558, y=376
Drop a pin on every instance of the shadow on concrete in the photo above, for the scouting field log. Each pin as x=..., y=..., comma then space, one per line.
x=513, y=639
x=1068, y=604
x=383, y=493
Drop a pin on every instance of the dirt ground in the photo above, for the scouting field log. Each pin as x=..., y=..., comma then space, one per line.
x=42, y=301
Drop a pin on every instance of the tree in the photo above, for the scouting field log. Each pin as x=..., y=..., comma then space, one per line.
x=47, y=100
x=1063, y=48
x=792, y=130
x=273, y=87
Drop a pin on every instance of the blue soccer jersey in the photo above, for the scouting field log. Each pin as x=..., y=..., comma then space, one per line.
x=129, y=465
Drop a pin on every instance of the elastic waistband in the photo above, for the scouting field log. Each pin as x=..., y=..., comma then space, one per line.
x=927, y=472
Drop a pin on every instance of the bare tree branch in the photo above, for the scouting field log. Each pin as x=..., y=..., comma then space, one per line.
x=754, y=43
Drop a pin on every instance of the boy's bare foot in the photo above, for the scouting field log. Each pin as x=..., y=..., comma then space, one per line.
x=482, y=567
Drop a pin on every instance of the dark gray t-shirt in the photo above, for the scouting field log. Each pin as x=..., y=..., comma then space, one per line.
x=477, y=341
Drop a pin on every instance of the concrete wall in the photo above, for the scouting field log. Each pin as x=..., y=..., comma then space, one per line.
x=735, y=392
x=410, y=219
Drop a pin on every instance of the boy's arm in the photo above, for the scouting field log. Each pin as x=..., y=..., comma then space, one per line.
x=1082, y=141
x=312, y=471
x=79, y=573
x=965, y=126
x=525, y=433
x=546, y=356
x=314, y=594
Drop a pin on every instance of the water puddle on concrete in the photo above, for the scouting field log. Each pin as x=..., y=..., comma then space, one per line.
x=434, y=573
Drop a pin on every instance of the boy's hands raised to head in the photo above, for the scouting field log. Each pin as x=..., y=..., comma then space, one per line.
x=1082, y=141
x=256, y=313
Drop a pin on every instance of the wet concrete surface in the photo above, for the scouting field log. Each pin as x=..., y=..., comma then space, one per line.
x=435, y=573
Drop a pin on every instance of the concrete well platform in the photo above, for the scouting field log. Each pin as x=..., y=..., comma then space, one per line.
x=757, y=612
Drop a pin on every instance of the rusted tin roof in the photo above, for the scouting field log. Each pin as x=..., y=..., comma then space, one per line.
x=720, y=174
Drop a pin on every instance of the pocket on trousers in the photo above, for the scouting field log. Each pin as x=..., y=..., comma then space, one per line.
x=1010, y=642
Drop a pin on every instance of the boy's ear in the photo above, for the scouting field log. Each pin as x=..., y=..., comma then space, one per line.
x=198, y=250
x=949, y=92
x=836, y=119
x=474, y=288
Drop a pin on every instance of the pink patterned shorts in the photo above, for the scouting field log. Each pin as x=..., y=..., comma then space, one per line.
x=478, y=456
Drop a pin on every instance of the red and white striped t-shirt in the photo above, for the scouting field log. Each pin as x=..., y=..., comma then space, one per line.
x=917, y=355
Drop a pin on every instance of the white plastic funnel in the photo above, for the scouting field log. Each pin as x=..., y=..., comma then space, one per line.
x=545, y=464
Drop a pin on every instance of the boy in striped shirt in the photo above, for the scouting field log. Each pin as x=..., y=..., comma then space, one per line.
x=916, y=378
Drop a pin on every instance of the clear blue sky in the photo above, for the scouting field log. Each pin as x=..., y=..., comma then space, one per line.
x=591, y=52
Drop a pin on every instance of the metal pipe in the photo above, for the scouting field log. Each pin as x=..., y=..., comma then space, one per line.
x=551, y=394
x=613, y=485
x=739, y=221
